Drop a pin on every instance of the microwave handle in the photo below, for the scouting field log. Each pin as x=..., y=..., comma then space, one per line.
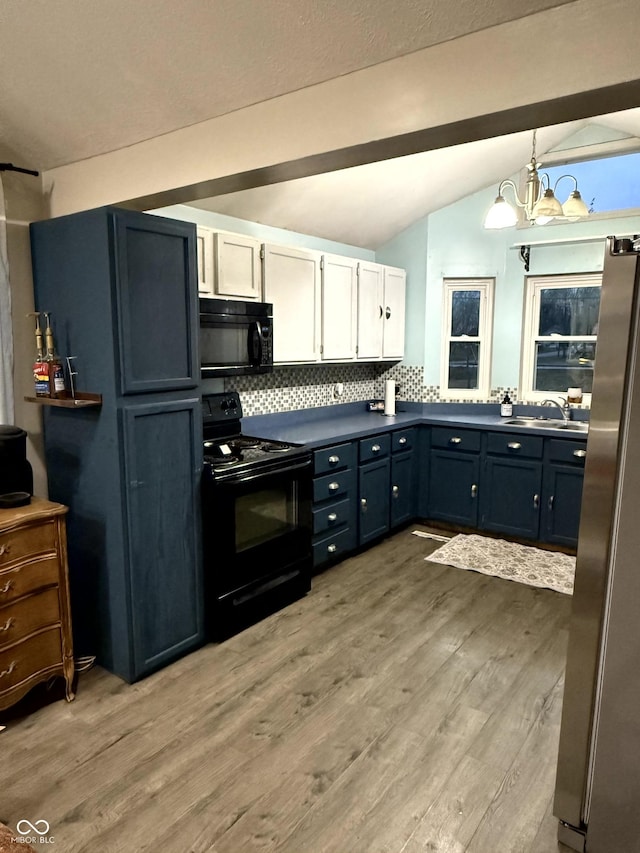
x=255, y=352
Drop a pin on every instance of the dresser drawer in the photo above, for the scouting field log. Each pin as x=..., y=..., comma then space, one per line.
x=25, y=659
x=403, y=440
x=452, y=438
x=336, y=485
x=572, y=452
x=22, y=618
x=21, y=580
x=335, y=458
x=375, y=447
x=27, y=542
x=334, y=546
x=515, y=444
x=333, y=516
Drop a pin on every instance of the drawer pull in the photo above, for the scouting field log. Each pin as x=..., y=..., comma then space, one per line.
x=6, y=587
x=12, y=666
x=6, y=625
x=363, y=504
x=550, y=504
x=332, y=516
x=334, y=460
x=536, y=501
x=580, y=454
x=395, y=491
x=333, y=486
x=402, y=440
x=474, y=491
x=514, y=445
x=375, y=448
x=331, y=549
x=5, y=548
x=455, y=440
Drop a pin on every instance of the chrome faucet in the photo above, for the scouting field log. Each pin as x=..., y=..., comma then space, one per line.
x=565, y=408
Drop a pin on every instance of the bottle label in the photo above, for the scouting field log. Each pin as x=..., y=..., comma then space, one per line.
x=41, y=379
x=506, y=410
x=58, y=379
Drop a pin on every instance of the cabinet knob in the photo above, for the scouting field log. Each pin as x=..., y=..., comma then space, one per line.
x=363, y=504
x=331, y=549
x=395, y=490
x=514, y=445
x=6, y=625
x=536, y=501
x=5, y=548
x=580, y=454
x=474, y=490
x=334, y=460
x=387, y=312
x=333, y=486
x=375, y=448
x=332, y=516
x=402, y=440
x=455, y=440
x=8, y=671
x=8, y=585
x=550, y=503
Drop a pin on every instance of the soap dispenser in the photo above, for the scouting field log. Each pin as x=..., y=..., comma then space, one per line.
x=506, y=407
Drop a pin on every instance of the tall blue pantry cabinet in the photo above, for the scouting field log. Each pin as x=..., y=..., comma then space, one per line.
x=122, y=289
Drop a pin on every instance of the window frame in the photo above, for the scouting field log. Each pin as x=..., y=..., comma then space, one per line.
x=533, y=287
x=486, y=287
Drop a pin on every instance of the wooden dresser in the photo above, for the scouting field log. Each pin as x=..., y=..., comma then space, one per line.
x=35, y=621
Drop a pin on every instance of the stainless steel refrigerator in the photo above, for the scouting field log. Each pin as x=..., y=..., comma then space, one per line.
x=597, y=799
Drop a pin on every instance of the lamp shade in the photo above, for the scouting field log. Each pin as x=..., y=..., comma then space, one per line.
x=501, y=214
x=546, y=208
x=574, y=207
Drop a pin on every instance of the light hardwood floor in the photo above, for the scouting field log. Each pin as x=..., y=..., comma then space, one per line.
x=402, y=706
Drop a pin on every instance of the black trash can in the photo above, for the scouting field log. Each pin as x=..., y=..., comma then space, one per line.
x=16, y=474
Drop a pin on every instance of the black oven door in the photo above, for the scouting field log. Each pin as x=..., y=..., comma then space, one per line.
x=257, y=531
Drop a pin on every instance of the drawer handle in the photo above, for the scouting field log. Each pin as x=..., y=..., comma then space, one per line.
x=332, y=516
x=5, y=548
x=514, y=445
x=402, y=440
x=332, y=549
x=333, y=486
x=334, y=460
x=455, y=440
x=395, y=491
x=550, y=504
x=375, y=448
x=6, y=625
x=363, y=504
x=12, y=666
x=580, y=454
x=536, y=501
x=6, y=587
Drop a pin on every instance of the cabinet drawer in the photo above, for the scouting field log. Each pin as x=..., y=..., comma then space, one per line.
x=403, y=440
x=515, y=444
x=573, y=452
x=29, y=657
x=334, y=546
x=26, y=542
x=21, y=580
x=334, y=458
x=336, y=485
x=332, y=517
x=22, y=618
x=375, y=447
x=452, y=438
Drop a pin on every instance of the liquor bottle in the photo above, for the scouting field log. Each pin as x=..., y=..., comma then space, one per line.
x=56, y=373
x=40, y=365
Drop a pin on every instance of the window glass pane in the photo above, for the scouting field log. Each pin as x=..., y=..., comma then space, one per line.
x=569, y=311
x=609, y=183
x=465, y=313
x=463, y=365
x=561, y=365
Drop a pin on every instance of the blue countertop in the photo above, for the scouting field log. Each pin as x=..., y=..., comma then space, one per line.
x=343, y=422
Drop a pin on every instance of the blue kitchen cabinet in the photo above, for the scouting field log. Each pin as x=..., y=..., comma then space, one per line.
x=122, y=289
x=335, y=524
x=512, y=484
x=404, y=478
x=373, y=481
x=562, y=491
x=454, y=473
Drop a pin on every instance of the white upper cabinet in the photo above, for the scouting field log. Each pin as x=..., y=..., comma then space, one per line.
x=381, y=307
x=229, y=265
x=292, y=285
x=339, y=307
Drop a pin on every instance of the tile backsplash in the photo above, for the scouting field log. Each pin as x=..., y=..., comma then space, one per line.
x=311, y=386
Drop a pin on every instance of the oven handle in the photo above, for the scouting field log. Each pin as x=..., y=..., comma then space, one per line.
x=255, y=352
x=282, y=469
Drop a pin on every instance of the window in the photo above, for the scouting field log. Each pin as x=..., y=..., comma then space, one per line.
x=560, y=333
x=607, y=184
x=466, y=338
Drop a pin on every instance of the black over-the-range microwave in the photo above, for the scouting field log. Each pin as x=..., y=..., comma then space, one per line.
x=235, y=337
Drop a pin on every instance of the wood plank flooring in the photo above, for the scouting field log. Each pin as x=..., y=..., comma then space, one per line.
x=401, y=707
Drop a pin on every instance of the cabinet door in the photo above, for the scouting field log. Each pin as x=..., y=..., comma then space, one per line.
x=402, y=488
x=292, y=285
x=511, y=494
x=339, y=305
x=155, y=280
x=453, y=487
x=562, y=497
x=373, y=490
x=204, y=251
x=162, y=453
x=370, y=310
x=394, y=308
x=237, y=266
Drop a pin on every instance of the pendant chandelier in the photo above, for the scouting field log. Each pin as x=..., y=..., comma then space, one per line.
x=540, y=204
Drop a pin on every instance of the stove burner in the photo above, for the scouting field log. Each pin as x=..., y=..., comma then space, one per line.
x=221, y=461
x=270, y=447
x=243, y=442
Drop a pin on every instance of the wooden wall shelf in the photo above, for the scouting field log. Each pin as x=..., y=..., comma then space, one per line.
x=82, y=400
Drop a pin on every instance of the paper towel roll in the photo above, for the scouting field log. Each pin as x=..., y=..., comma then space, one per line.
x=389, y=397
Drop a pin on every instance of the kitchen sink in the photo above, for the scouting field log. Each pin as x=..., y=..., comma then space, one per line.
x=549, y=423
